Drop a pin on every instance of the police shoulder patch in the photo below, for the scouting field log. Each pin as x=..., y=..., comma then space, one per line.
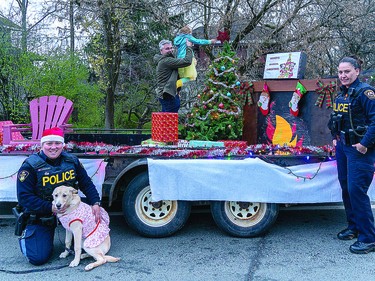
x=370, y=94
x=23, y=175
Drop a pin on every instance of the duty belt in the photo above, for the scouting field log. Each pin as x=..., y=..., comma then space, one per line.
x=349, y=137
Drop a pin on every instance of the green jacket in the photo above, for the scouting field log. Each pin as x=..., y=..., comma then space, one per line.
x=167, y=71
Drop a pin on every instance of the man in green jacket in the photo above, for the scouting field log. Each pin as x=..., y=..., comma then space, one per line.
x=167, y=75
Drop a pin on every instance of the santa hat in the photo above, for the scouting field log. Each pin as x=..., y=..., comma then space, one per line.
x=53, y=134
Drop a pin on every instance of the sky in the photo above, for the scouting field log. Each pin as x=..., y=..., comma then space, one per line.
x=6, y=4
x=51, y=29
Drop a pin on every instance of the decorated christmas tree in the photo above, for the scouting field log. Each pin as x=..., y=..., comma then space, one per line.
x=217, y=114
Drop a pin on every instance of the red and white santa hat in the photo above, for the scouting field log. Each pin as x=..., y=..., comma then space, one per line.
x=53, y=134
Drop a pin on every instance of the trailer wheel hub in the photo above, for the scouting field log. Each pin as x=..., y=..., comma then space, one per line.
x=245, y=213
x=157, y=204
x=153, y=213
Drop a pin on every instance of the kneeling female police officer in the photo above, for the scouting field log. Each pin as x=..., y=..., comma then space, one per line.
x=38, y=176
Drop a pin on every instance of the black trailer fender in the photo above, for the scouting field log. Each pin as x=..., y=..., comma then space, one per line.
x=129, y=172
x=150, y=218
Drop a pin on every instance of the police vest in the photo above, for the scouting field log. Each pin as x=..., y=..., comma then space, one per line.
x=49, y=177
x=348, y=105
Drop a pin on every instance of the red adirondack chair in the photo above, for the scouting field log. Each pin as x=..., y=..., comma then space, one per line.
x=46, y=112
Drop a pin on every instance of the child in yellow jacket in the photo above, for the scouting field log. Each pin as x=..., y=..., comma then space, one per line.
x=188, y=73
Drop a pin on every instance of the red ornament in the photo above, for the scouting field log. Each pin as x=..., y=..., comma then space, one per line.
x=221, y=105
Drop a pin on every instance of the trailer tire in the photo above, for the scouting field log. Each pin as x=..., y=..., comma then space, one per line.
x=152, y=219
x=244, y=219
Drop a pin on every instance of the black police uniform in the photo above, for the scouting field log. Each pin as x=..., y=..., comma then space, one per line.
x=36, y=180
x=353, y=121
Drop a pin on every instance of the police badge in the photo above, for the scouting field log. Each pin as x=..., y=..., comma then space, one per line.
x=23, y=175
x=370, y=94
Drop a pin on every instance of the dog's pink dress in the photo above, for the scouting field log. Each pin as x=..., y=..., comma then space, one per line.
x=94, y=233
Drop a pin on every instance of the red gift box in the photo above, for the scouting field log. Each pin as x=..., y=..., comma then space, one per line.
x=233, y=144
x=164, y=126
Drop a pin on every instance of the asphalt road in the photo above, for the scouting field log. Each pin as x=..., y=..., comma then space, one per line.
x=302, y=245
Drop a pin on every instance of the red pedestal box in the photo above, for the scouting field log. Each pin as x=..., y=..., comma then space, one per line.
x=164, y=127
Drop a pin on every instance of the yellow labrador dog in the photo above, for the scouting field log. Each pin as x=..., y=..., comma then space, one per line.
x=79, y=222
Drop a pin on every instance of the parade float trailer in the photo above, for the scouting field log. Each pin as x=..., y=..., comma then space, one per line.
x=244, y=182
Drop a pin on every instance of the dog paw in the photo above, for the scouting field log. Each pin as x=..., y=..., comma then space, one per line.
x=63, y=255
x=89, y=267
x=74, y=263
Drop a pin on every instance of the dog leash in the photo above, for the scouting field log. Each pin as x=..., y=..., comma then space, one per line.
x=33, y=270
x=70, y=251
x=38, y=269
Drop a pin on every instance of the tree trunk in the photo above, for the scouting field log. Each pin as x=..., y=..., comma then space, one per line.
x=112, y=58
x=71, y=23
x=23, y=6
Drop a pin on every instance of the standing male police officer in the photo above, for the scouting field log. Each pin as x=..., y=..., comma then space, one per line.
x=353, y=127
x=38, y=176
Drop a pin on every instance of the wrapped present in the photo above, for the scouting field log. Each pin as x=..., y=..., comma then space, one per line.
x=205, y=144
x=183, y=143
x=152, y=143
x=235, y=144
x=164, y=126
